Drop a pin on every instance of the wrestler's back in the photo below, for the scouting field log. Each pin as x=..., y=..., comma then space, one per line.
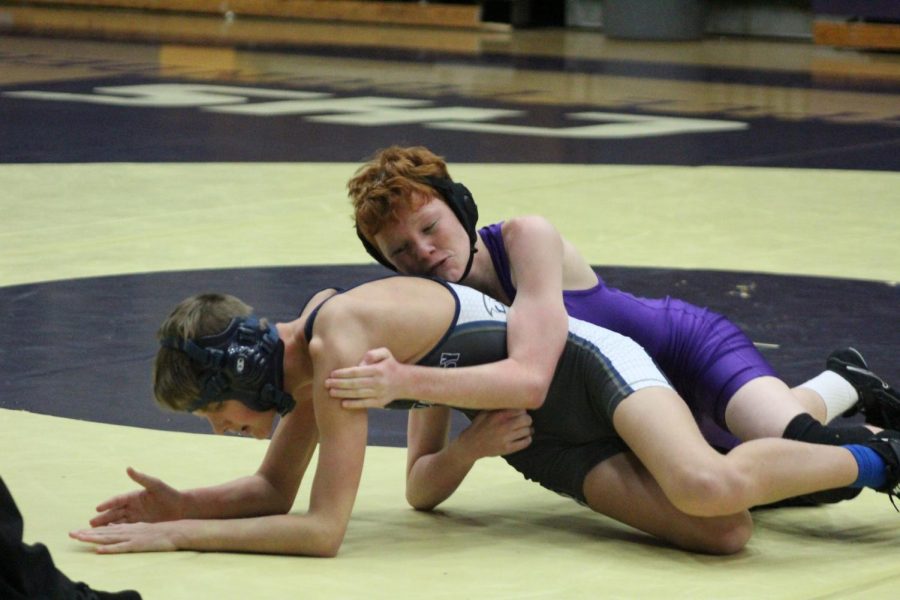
x=409, y=315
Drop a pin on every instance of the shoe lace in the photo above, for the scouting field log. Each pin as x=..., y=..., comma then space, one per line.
x=892, y=493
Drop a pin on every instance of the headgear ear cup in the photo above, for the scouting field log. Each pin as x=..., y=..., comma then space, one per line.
x=373, y=251
x=460, y=200
x=247, y=357
x=244, y=362
x=463, y=205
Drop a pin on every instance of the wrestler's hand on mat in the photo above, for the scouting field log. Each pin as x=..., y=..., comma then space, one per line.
x=374, y=383
x=497, y=433
x=130, y=537
x=156, y=502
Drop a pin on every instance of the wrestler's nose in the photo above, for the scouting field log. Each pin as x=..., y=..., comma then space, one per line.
x=422, y=250
x=218, y=427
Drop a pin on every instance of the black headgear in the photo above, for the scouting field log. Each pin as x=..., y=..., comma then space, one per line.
x=244, y=362
x=460, y=201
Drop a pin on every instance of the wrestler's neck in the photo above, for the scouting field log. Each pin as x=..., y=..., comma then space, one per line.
x=298, y=370
x=482, y=276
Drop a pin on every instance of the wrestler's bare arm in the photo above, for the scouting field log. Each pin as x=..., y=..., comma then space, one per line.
x=318, y=532
x=538, y=326
x=437, y=465
x=271, y=490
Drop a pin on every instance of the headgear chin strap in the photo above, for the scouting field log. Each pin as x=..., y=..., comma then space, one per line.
x=244, y=362
x=460, y=201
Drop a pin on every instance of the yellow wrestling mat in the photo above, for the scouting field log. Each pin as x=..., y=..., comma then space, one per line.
x=498, y=537
x=71, y=220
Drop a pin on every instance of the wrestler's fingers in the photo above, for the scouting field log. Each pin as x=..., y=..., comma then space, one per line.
x=352, y=372
x=102, y=535
x=375, y=355
x=515, y=412
x=118, y=548
x=357, y=404
x=520, y=432
x=523, y=420
x=115, y=502
x=108, y=517
x=519, y=444
x=143, y=479
x=348, y=383
x=354, y=394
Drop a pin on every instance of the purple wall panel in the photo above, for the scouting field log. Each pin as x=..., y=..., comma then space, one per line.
x=871, y=9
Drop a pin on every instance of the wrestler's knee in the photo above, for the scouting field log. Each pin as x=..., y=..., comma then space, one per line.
x=706, y=490
x=621, y=488
x=720, y=535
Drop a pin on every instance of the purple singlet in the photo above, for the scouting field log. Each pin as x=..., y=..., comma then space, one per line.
x=705, y=356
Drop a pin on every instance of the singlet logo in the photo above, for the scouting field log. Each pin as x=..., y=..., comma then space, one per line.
x=449, y=359
x=239, y=365
x=492, y=306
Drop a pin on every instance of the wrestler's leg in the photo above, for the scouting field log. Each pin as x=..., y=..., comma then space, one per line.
x=765, y=406
x=657, y=425
x=620, y=487
x=812, y=403
x=729, y=370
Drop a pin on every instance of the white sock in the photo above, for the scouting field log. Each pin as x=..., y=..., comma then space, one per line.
x=837, y=393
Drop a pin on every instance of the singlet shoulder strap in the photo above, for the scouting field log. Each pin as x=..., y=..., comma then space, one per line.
x=308, y=326
x=492, y=236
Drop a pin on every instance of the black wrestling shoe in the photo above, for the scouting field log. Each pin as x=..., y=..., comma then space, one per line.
x=888, y=448
x=878, y=402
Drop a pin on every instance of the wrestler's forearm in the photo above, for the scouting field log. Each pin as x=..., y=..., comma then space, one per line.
x=245, y=497
x=293, y=534
x=499, y=385
x=273, y=488
x=536, y=333
x=434, y=477
x=307, y=535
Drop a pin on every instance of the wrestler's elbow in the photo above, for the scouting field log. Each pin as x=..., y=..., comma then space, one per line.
x=420, y=506
x=423, y=500
x=327, y=542
x=534, y=391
